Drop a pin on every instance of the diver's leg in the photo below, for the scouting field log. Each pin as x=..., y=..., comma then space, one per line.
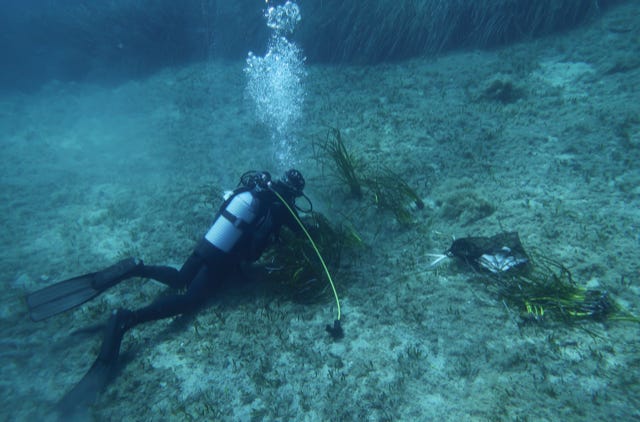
x=169, y=275
x=200, y=289
x=164, y=274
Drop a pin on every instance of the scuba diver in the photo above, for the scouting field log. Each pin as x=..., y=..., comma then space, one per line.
x=248, y=221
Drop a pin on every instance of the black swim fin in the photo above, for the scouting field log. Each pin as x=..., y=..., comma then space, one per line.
x=101, y=372
x=68, y=294
x=77, y=401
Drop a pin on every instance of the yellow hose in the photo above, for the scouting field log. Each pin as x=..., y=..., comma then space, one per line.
x=315, y=248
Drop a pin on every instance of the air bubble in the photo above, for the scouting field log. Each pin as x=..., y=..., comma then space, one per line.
x=275, y=81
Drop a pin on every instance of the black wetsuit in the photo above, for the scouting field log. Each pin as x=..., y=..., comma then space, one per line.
x=247, y=223
x=207, y=266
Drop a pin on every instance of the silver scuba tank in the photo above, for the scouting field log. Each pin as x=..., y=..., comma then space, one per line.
x=240, y=212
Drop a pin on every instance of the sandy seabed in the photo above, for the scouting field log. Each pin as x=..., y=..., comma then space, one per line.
x=542, y=138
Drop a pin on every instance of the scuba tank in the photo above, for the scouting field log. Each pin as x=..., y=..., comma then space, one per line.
x=238, y=213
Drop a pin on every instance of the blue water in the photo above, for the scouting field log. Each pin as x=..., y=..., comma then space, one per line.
x=122, y=124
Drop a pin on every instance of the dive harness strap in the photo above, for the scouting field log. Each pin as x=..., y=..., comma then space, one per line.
x=237, y=222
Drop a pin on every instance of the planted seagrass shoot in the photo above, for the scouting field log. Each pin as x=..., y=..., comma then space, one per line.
x=345, y=165
x=389, y=191
x=392, y=193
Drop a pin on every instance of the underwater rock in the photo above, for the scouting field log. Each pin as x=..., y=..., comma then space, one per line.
x=466, y=207
x=501, y=89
